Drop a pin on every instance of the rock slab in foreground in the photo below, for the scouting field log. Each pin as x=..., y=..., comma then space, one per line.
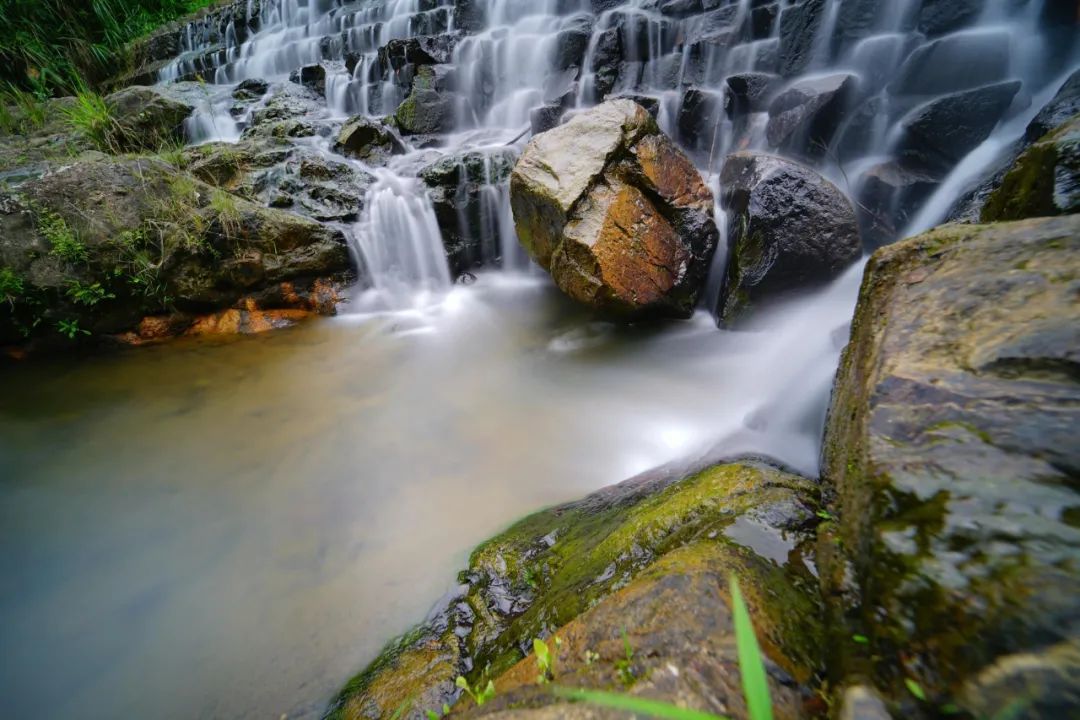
x=952, y=445
x=788, y=228
x=615, y=212
x=651, y=555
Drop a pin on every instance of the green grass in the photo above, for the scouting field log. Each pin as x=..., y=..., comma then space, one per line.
x=11, y=285
x=48, y=47
x=91, y=116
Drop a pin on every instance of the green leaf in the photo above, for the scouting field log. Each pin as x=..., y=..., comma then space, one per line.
x=541, y=650
x=432, y=715
x=915, y=689
x=751, y=667
x=861, y=639
x=462, y=683
x=638, y=705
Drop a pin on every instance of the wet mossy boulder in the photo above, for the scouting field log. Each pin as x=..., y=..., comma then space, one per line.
x=93, y=247
x=1044, y=181
x=951, y=447
x=788, y=228
x=616, y=213
x=368, y=140
x=658, y=538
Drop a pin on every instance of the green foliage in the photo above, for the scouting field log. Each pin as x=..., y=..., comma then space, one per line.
x=48, y=46
x=62, y=239
x=915, y=689
x=224, y=204
x=625, y=667
x=479, y=696
x=755, y=685
x=88, y=295
x=71, y=329
x=432, y=715
x=545, y=660
x=11, y=285
x=91, y=116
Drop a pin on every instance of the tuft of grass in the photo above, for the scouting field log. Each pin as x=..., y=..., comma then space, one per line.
x=91, y=116
x=224, y=204
x=625, y=666
x=636, y=705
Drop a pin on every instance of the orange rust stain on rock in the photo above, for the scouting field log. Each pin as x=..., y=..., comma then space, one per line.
x=671, y=174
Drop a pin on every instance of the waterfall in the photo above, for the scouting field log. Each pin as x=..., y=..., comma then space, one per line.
x=509, y=59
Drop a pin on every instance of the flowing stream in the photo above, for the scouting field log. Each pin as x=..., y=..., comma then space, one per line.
x=232, y=528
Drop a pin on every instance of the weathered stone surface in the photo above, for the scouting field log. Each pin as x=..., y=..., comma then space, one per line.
x=461, y=187
x=368, y=140
x=291, y=111
x=699, y=118
x=670, y=545
x=425, y=111
x=788, y=229
x=606, y=61
x=804, y=118
x=1044, y=181
x=144, y=119
x=799, y=25
x=615, y=212
x=953, y=63
x=937, y=135
x=889, y=195
x=103, y=243
x=951, y=447
x=1064, y=105
x=750, y=92
x=937, y=17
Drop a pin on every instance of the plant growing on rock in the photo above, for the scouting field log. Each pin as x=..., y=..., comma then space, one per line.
x=91, y=116
x=62, y=239
x=88, y=294
x=545, y=661
x=71, y=329
x=478, y=696
x=11, y=285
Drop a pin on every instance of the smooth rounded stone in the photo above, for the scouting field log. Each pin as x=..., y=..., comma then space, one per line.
x=616, y=213
x=937, y=135
x=889, y=195
x=804, y=118
x=153, y=239
x=144, y=119
x=952, y=63
x=951, y=446
x=750, y=92
x=313, y=77
x=799, y=26
x=937, y=17
x=368, y=140
x=788, y=229
x=699, y=118
x=1044, y=181
x=652, y=555
x=460, y=187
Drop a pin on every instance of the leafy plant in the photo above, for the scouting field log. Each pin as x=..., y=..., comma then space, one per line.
x=625, y=666
x=915, y=689
x=545, y=660
x=11, y=285
x=88, y=295
x=62, y=239
x=432, y=715
x=91, y=116
x=71, y=329
x=479, y=696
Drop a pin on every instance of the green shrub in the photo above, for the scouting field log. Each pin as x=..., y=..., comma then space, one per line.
x=62, y=239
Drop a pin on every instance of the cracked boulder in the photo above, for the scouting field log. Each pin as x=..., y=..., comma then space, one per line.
x=616, y=213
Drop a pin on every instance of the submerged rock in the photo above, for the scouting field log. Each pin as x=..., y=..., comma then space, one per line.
x=671, y=546
x=97, y=245
x=951, y=445
x=615, y=212
x=788, y=229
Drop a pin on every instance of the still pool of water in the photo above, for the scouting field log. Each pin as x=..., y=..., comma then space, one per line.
x=231, y=528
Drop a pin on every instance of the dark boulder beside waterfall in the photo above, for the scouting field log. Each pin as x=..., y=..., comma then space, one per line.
x=788, y=229
x=368, y=140
x=804, y=117
x=615, y=212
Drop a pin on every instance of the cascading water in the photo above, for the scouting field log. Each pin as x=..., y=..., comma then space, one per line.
x=314, y=483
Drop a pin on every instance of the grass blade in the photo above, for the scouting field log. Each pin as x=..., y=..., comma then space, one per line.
x=755, y=685
x=641, y=706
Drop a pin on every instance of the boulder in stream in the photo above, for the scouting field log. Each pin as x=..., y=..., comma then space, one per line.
x=143, y=118
x=368, y=140
x=804, y=117
x=951, y=445
x=615, y=212
x=788, y=229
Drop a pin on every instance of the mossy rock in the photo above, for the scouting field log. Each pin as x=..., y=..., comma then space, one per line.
x=552, y=567
x=951, y=445
x=1044, y=181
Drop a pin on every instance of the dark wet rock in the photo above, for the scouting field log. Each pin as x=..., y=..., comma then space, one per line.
x=423, y=50
x=606, y=61
x=1044, y=181
x=470, y=15
x=877, y=58
x=681, y=8
x=888, y=198
x=652, y=555
x=251, y=90
x=144, y=119
x=788, y=229
x=368, y=140
x=615, y=212
x=571, y=45
x=951, y=447
x=711, y=24
x=461, y=188
x=763, y=19
x=313, y=77
x=798, y=29
x=425, y=111
x=545, y=117
x=750, y=92
x=937, y=17
x=937, y=135
x=101, y=244
x=1064, y=105
x=291, y=111
x=956, y=62
x=856, y=20
x=699, y=118
x=804, y=118
x=704, y=58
